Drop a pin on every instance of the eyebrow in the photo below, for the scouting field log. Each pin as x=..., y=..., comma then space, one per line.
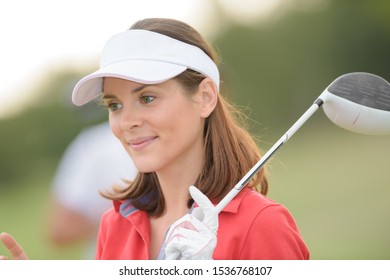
x=107, y=96
x=139, y=88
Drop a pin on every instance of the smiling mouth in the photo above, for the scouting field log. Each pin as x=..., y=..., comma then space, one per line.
x=140, y=143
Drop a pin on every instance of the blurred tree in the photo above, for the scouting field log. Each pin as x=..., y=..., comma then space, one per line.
x=35, y=139
x=279, y=69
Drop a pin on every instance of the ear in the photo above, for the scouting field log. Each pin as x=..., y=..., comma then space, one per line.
x=208, y=97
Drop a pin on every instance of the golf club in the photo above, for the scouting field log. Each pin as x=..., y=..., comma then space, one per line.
x=358, y=102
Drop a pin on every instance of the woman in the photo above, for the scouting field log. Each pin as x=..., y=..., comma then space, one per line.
x=160, y=84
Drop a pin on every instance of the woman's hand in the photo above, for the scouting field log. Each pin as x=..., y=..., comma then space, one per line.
x=194, y=236
x=13, y=247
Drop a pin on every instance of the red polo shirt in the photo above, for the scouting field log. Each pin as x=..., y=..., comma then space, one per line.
x=250, y=227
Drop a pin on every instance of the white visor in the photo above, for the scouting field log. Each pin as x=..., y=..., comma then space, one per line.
x=143, y=57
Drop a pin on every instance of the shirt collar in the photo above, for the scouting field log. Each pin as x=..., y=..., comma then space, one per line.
x=126, y=208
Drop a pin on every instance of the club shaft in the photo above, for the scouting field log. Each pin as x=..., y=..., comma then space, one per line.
x=257, y=167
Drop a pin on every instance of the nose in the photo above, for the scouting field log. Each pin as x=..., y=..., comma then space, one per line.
x=130, y=118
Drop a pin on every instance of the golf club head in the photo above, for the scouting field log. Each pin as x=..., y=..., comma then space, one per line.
x=359, y=102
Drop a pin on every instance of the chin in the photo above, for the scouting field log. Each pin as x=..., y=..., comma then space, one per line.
x=144, y=167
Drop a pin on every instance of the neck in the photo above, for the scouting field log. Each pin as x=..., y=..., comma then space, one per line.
x=175, y=182
x=175, y=192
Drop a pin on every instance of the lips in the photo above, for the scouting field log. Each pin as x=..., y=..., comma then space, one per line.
x=141, y=142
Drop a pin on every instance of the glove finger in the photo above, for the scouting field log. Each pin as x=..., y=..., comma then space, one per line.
x=210, y=216
x=187, y=221
x=189, y=244
x=192, y=229
x=186, y=242
x=200, y=198
x=174, y=250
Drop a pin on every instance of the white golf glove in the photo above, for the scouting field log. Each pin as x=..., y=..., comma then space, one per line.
x=194, y=236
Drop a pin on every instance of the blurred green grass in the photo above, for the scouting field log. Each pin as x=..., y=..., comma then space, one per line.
x=23, y=213
x=337, y=185
x=334, y=182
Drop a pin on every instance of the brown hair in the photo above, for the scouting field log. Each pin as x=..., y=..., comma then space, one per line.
x=229, y=151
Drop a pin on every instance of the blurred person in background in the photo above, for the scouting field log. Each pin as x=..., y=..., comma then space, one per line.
x=93, y=162
x=160, y=83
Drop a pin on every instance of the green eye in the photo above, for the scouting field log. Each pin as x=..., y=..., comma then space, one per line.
x=147, y=98
x=114, y=106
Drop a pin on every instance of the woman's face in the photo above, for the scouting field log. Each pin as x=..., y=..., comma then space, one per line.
x=160, y=125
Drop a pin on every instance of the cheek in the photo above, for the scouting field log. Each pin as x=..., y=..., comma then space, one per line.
x=175, y=120
x=182, y=123
x=115, y=126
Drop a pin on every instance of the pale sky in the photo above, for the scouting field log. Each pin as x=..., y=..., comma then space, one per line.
x=39, y=35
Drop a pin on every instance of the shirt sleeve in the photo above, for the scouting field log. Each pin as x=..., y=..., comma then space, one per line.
x=101, y=240
x=274, y=235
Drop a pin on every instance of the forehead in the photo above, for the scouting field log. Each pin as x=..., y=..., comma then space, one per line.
x=113, y=85
x=109, y=82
